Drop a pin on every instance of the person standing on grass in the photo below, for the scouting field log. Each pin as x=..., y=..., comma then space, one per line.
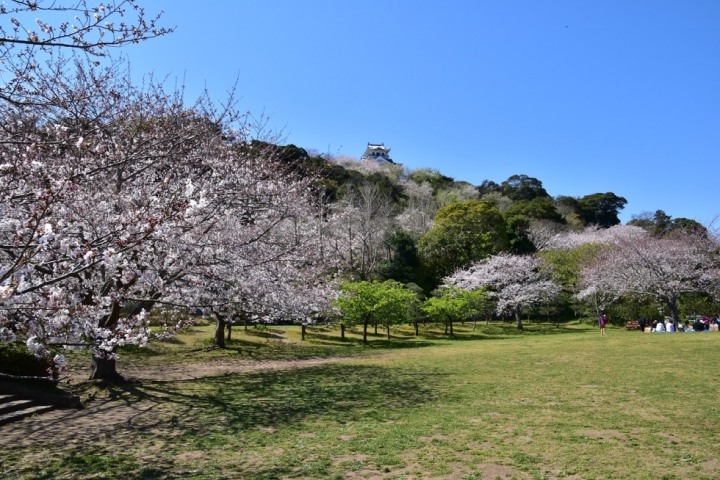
x=602, y=320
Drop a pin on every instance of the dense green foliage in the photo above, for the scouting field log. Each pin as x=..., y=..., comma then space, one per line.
x=453, y=304
x=661, y=224
x=540, y=208
x=463, y=233
x=601, y=209
x=366, y=303
x=404, y=264
x=522, y=187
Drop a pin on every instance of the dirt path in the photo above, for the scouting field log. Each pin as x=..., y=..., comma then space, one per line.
x=190, y=371
x=104, y=416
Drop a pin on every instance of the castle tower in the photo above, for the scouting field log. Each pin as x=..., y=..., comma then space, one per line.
x=377, y=152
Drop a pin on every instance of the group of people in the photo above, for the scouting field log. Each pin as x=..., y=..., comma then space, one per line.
x=669, y=325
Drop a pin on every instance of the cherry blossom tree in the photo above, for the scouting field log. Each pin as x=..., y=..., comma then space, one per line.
x=542, y=232
x=274, y=266
x=594, y=234
x=90, y=28
x=659, y=268
x=83, y=201
x=115, y=198
x=113, y=194
x=516, y=281
x=29, y=42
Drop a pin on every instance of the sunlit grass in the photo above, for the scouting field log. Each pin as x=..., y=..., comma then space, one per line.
x=536, y=405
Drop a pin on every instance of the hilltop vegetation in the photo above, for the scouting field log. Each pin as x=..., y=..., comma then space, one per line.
x=418, y=227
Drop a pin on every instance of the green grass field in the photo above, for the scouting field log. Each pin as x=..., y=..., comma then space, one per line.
x=549, y=403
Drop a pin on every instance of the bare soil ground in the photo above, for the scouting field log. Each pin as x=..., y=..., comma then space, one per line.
x=192, y=371
x=106, y=415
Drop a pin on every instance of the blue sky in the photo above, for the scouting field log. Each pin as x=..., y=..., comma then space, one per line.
x=589, y=96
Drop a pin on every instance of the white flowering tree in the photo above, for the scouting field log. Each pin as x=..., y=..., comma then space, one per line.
x=273, y=266
x=659, y=268
x=113, y=197
x=516, y=281
x=592, y=234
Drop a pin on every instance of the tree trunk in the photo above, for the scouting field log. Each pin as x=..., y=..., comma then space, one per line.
x=302, y=331
x=104, y=369
x=219, y=340
x=451, y=328
x=229, y=329
x=417, y=330
x=342, y=331
x=388, y=331
x=672, y=305
x=519, y=321
x=365, y=325
x=245, y=322
x=474, y=324
x=446, y=328
x=376, y=329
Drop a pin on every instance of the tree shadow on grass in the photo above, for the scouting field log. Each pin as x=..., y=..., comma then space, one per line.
x=340, y=392
x=267, y=334
x=506, y=330
x=273, y=349
x=234, y=411
x=375, y=341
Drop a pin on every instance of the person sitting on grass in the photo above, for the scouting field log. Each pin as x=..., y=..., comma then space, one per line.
x=660, y=327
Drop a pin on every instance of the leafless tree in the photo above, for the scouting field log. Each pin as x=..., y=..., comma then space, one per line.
x=366, y=216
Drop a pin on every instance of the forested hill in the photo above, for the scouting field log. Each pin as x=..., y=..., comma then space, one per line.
x=416, y=226
x=519, y=195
